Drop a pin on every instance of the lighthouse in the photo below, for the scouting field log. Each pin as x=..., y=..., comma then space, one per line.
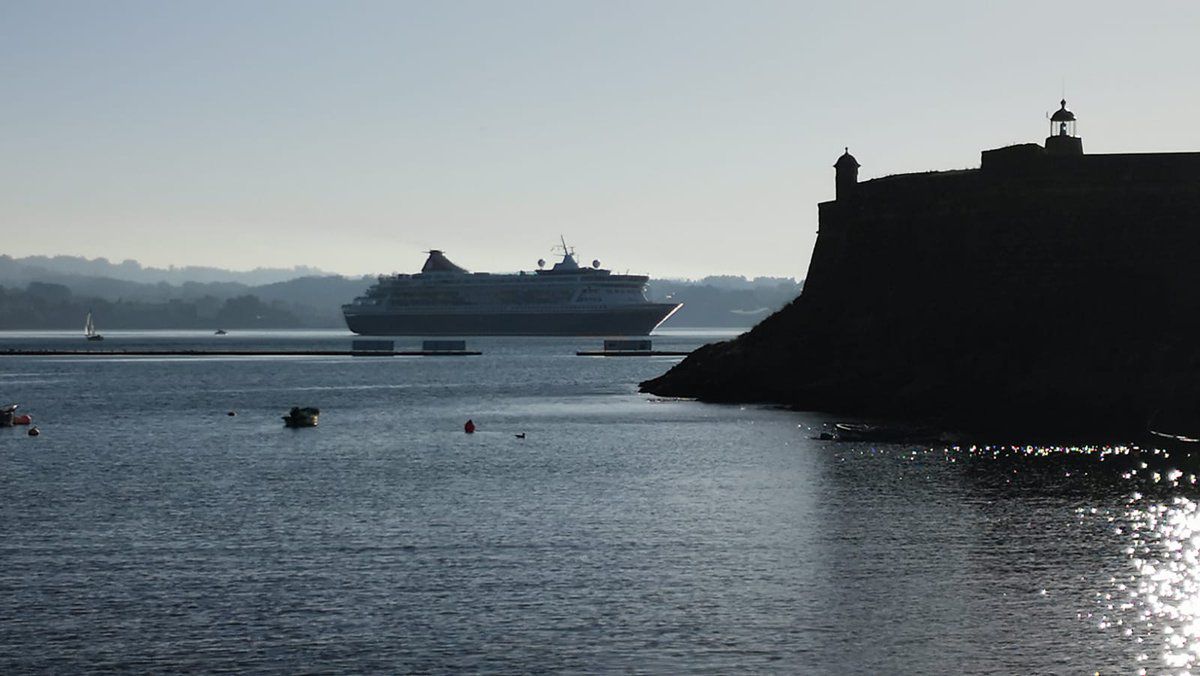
x=1063, y=139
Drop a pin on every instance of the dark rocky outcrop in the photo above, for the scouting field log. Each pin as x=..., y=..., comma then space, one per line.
x=1042, y=292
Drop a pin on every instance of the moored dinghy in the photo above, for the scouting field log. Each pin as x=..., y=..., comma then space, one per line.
x=302, y=417
x=7, y=413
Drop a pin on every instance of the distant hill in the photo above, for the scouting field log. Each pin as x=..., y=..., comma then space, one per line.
x=132, y=271
x=318, y=299
x=54, y=292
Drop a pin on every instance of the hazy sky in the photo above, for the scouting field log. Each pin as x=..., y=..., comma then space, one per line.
x=673, y=138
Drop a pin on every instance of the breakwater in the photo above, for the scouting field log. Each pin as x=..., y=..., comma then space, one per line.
x=239, y=353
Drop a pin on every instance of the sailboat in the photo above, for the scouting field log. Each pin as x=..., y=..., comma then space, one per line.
x=89, y=329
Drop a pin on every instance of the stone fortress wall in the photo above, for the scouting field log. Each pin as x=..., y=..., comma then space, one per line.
x=1023, y=221
x=1049, y=286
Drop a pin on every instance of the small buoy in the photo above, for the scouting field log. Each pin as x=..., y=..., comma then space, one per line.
x=469, y=427
x=520, y=436
x=231, y=413
x=33, y=431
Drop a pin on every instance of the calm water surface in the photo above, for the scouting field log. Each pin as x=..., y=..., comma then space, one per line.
x=146, y=530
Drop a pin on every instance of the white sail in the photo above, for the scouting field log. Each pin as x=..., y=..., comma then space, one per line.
x=89, y=329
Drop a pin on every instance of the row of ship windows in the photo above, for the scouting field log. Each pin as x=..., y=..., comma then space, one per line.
x=410, y=300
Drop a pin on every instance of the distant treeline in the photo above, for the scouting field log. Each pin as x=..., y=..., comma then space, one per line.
x=53, y=306
x=723, y=301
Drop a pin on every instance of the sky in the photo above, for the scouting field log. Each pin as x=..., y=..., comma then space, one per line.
x=673, y=138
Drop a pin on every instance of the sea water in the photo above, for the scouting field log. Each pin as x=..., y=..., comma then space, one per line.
x=148, y=530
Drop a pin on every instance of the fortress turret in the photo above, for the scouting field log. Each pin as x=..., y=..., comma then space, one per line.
x=846, y=181
x=1062, y=139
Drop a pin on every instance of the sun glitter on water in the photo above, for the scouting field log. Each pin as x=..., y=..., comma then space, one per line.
x=1163, y=593
x=1154, y=606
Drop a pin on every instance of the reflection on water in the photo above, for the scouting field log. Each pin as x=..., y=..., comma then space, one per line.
x=1157, y=604
x=146, y=530
x=1148, y=605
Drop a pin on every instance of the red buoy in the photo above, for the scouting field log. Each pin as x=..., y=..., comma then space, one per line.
x=469, y=428
x=23, y=419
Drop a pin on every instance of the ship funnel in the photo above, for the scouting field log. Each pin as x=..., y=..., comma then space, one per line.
x=541, y=262
x=596, y=264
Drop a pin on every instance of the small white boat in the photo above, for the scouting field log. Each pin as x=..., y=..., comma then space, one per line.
x=896, y=433
x=89, y=329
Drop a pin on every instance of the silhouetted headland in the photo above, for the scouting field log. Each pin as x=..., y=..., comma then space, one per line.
x=1048, y=291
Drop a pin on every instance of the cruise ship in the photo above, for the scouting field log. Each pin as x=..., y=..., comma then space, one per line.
x=443, y=299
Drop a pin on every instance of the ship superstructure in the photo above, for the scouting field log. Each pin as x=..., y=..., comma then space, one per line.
x=566, y=300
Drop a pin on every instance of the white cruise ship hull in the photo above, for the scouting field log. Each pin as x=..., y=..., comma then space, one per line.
x=632, y=320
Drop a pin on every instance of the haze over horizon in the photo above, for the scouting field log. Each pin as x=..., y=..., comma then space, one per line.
x=681, y=139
